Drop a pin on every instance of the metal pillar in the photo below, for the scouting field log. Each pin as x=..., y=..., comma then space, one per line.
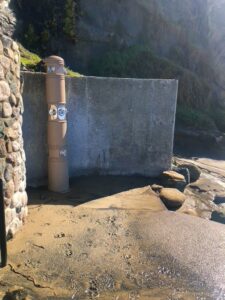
x=58, y=177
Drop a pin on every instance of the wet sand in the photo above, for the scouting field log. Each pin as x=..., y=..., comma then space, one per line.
x=71, y=249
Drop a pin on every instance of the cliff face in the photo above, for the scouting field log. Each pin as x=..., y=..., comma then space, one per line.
x=113, y=24
x=216, y=13
x=162, y=24
x=187, y=33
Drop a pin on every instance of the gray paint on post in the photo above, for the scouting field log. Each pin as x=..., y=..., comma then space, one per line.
x=115, y=126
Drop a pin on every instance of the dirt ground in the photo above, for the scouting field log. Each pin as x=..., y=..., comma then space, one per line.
x=112, y=238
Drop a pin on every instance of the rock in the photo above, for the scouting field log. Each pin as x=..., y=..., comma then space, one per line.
x=172, y=198
x=4, y=91
x=14, y=227
x=23, y=185
x=5, y=62
x=157, y=188
x=1, y=48
x=3, y=151
x=7, y=201
x=2, y=167
x=189, y=211
x=17, y=178
x=9, y=147
x=16, y=58
x=8, y=122
x=17, y=126
x=13, y=100
x=172, y=179
x=8, y=216
x=24, y=199
x=206, y=185
x=15, y=46
x=11, y=159
x=9, y=53
x=199, y=204
x=6, y=41
x=23, y=154
x=9, y=189
x=14, y=86
x=12, y=166
x=2, y=75
x=194, y=171
x=140, y=198
x=11, y=133
x=16, y=112
x=14, y=214
x=16, y=146
x=6, y=110
x=8, y=175
x=183, y=171
x=17, y=200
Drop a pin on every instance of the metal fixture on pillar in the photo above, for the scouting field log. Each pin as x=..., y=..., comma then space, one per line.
x=58, y=177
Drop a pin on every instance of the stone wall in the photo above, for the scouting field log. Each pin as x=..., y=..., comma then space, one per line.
x=115, y=126
x=12, y=156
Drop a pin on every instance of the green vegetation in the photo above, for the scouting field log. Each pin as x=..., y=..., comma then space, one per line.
x=194, y=100
x=69, y=27
x=55, y=21
x=73, y=74
x=31, y=62
x=141, y=62
x=193, y=118
x=218, y=115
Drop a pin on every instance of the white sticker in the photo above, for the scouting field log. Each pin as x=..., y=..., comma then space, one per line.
x=62, y=111
x=63, y=153
x=51, y=69
x=53, y=112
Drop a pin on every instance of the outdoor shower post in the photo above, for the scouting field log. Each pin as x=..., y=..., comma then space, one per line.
x=58, y=177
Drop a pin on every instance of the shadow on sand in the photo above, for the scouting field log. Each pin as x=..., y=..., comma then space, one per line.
x=88, y=188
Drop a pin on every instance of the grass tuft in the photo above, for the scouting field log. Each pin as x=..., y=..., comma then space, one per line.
x=31, y=62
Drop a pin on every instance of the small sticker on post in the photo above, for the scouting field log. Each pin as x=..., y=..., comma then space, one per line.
x=53, y=112
x=62, y=112
x=63, y=153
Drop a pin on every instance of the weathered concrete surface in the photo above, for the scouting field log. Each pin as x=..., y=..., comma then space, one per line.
x=68, y=252
x=35, y=128
x=115, y=126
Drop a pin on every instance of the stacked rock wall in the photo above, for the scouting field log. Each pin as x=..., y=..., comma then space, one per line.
x=12, y=157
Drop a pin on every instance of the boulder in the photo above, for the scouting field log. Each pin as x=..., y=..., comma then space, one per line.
x=189, y=211
x=172, y=198
x=156, y=188
x=194, y=171
x=172, y=179
x=183, y=171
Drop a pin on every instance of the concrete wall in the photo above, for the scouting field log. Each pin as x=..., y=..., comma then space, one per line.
x=115, y=126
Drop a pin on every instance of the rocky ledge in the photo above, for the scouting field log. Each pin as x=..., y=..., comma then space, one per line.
x=195, y=187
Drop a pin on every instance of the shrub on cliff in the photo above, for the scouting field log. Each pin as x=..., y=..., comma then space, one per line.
x=45, y=24
x=194, y=97
x=69, y=27
x=141, y=62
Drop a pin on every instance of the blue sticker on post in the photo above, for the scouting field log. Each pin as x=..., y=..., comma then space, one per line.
x=62, y=112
